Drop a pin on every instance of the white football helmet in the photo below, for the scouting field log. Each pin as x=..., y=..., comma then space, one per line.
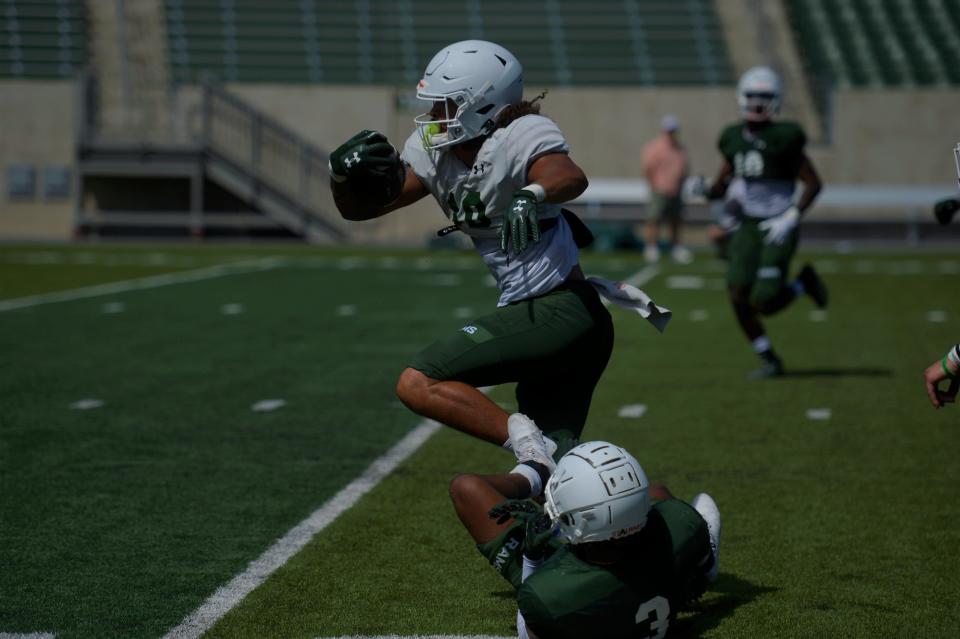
x=480, y=78
x=759, y=94
x=598, y=492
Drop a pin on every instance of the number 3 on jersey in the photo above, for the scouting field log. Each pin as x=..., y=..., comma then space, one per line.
x=659, y=608
x=471, y=211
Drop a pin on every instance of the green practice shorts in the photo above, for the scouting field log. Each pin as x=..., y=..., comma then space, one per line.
x=554, y=346
x=664, y=207
x=761, y=268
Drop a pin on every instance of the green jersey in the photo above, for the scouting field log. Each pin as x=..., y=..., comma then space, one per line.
x=766, y=162
x=634, y=598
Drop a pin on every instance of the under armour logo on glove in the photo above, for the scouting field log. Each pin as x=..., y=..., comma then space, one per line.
x=520, y=222
x=367, y=155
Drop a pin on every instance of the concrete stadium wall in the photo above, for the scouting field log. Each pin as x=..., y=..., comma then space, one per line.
x=37, y=129
x=892, y=137
x=889, y=137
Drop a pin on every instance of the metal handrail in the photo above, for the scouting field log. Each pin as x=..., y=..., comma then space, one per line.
x=269, y=154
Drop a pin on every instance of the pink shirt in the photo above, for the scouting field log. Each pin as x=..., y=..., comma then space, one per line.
x=664, y=165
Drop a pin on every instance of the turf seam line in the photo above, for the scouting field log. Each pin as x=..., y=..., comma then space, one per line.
x=142, y=283
x=229, y=595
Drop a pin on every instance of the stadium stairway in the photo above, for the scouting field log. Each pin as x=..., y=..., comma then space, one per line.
x=239, y=173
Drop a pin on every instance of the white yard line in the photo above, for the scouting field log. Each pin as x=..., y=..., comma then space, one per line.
x=228, y=596
x=27, y=635
x=139, y=284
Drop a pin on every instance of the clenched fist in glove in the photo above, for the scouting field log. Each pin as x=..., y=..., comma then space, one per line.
x=370, y=166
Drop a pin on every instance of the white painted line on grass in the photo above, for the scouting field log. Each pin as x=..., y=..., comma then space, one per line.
x=229, y=595
x=88, y=403
x=346, y=310
x=423, y=263
x=632, y=411
x=688, y=282
x=699, y=315
x=819, y=414
x=388, y=263
x=937, y=317
x=112, y=308
x=949, y=266
x=154, y=281
x=488, y=281
x=267, y=405
x=818, y=315
x=27, y=635
x=463, y=312
x=350, y=263
x=232, y=309
x=864, y=267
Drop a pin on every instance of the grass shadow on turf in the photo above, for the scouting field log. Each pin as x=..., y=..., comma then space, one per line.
x=838, y=372
x=709, y=612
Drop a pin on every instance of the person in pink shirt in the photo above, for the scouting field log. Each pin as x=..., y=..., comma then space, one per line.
x=665, y=166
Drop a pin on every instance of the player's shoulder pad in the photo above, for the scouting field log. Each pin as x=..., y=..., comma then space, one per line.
x=791, y=131
x=533, y=128
x=729, y=133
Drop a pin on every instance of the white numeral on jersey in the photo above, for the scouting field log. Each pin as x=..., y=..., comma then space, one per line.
x=660, y=608
x=749, y=164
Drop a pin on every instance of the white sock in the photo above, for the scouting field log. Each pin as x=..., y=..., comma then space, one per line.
x=532, y=476
x=761, y=345
x=797, y=287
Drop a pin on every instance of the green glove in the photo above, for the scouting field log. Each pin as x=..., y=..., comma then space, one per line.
x=519, y=222
x=944, y=210
x=368, y=154
x=538, y=529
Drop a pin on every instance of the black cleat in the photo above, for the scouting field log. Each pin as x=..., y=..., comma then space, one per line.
x=772, y=367
x=814, y=286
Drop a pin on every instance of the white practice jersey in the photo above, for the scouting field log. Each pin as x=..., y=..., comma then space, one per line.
x=762, y=198
x=475, y=199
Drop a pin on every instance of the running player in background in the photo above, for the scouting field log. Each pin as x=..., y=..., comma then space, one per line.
x=762, y=161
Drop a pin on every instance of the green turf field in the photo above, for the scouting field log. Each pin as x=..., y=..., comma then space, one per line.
x=120, y=515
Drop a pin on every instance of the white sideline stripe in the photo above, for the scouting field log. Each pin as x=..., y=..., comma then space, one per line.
x=226, y=597
x=139, y=284
x=27, y=635
x=229, y=595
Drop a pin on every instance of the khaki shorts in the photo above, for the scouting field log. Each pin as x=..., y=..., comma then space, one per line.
x=664, y=207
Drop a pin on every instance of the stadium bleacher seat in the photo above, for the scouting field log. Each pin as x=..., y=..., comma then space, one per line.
x=42, y=38
x=560, y=42
x=878, y=43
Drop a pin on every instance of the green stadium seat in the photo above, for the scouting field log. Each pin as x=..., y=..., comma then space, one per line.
x=599, y=42
x=42, y=38
x=880, y=43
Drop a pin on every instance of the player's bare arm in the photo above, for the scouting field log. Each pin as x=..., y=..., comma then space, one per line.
x=560, y=177
x=812, y=184
x=718, y=188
